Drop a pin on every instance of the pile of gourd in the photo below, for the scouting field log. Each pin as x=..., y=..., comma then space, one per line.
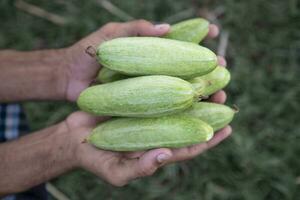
x=153, y=87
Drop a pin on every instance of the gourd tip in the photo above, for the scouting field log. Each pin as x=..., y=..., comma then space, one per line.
x=235, y=108
x=84, y=141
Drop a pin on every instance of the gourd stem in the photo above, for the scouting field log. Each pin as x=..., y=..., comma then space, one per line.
x=91, y=51
x=84, y=141
x=235, y=108
x=199, y=88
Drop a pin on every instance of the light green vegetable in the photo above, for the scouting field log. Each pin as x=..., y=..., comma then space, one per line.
x=144, y=96
x=213, y=81
x=156, y=56
x=106, y=75
x=192, y=30
x=216, y=115
x=135, y=134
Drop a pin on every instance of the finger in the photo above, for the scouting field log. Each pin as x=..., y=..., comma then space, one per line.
x=147, y=164
x=136, y=154
x=192, y=151
x=218, y=97
x=219, y=136
x=222, y=61
x=145, y=28
x=213, y=31
x=84, y=119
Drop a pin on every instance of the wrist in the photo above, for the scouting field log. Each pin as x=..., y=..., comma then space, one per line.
x=62, y=73
x=67, y=145
x=80, y=70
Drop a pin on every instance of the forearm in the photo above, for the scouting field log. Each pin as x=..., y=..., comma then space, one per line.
x=35, y=158
x=35, y=75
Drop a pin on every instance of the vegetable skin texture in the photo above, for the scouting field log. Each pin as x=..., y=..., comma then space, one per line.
x=144, y=96
x=137, y=56
x=136, y=134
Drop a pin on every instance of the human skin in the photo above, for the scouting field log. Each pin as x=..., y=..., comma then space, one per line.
x=61, y=75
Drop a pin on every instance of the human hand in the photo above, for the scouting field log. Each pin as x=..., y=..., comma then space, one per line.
x=115, y=167
x=82, y=68
x=119, y=168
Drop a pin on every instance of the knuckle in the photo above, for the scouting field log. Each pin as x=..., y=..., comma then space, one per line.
x=111, y=25
x=117, y=179
x=147, y=172
x=141, y=22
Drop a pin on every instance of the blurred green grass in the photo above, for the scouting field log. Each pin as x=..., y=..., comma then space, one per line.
x=261, y=159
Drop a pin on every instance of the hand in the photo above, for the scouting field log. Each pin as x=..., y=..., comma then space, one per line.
x=83, y=69
x=115, y=167
x=119, y=168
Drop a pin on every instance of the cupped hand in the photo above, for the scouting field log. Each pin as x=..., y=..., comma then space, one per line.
x=119, y=168
x=115, y=167
x=83, y=68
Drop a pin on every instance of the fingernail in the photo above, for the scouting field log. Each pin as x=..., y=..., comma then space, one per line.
x=161, y=158
x=162, y=27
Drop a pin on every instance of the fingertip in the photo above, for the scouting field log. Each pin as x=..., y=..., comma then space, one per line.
x=226, y=131
x=160, y=155
x=162, y=29
x=162, y=158
x=221, y=61
x=219, y=97
x=219, y=136
x=213, y=31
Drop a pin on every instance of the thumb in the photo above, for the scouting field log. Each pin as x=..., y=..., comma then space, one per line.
x=145, y=28
x=149, y=162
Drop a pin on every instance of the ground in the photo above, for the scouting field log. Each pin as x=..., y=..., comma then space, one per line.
x=261, y=159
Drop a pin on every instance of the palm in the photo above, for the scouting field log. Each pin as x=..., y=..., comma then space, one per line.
x=118, y=168
x=84, y=68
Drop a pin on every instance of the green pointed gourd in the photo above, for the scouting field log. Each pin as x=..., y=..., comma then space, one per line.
x=213, y=81
x=106, y=75
x=136, y=134
x=192, y=30
x=156, y=56
x=144, y=96
x=216, y=115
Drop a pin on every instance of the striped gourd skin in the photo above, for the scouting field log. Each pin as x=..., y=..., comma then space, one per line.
x=144, y=96
x=192, y=30
x=135, y=134
x=106, y=75
x=216, y=115
x=152, y=56
x=214, y=81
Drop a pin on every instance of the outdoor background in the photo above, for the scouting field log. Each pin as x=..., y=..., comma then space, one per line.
x=260, y=160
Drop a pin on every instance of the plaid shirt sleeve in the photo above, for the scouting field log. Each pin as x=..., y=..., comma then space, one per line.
x=12, y=122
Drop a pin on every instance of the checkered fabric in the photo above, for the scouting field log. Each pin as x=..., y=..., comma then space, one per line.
x=13, y=124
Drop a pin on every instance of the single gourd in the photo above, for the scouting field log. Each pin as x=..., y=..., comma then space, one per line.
x=213, y=81
x=136, y=134
x=216, y=115
x=144, y=96
x=192, y=30
x=156, y=56
x=106, y=75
